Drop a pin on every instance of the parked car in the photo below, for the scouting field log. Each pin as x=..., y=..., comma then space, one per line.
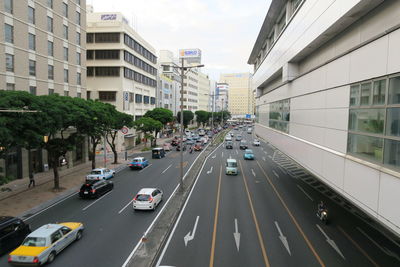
x=94, y=189
x=231, y=167
x=138, y=163
x=167, y=147
x=147, y=199
x=100, y=173
x=12, y=232
x=248, y=154
x=229, y=145
x=42, y=245
x=198, y=147
x=243, y=144
x=256, y=142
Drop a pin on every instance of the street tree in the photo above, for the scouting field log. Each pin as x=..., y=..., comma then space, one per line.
x=187, y=117
x=162, y=115
x=202, y=116
x=147, y=126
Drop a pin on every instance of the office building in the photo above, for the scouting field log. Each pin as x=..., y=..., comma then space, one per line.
x=327, y=77
x=222, y=97
x=240, y=93
x=204, y=91
x=167, y=61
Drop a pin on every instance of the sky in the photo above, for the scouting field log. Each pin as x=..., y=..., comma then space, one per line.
x=224, y=30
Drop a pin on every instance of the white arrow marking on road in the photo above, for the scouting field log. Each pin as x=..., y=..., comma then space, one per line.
x=384, y=250
x=265, y=152
x=236, y=235
x=331, y=242
x=305, y=193
x=210, y=171
x=222, y=154
x=283, y=238
x=213, y=157
x=237, y=152
x=252, y=171
x=263, y=158
x=275, y=173
x=189, y=236
x=167, y=168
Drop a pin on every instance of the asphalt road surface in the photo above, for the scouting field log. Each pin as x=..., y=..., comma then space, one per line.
x=112, y=228
x=266, y=216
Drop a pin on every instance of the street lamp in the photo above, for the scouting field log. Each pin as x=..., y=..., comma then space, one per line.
x=182, y=69
x=212, y=109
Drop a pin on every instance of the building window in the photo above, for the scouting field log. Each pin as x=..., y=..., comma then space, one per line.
x=9, y=62
x=78, y=78
x=88, y=95
x=138, y=98
x=89, y=38
x=32, y=90
x=78, y=18
x=107, y=54
x=49, y=24
x=8, y=6
x=65, y=49
x=32, y=41
x=89, y=54
x=51, y=91
x=281, y=23
x=78, y=38
x=90, y=71
x=78, y=2
x=279, y=115
x=107, y=96
x=10, y=87
x=393, y=122
x=367, y=120
x=366, y=146
x=32, y=67
x=50, y=48
x=78, y=58
x=50, y=3
x=379, y=94
x=107, y=37
x=79, y=95
x=107, y=71
x=50, y=72
x=394, y=90
x=31, y=15
x=65, y=9
x=152, y=100
x=365, y=94
x=146, y=99
x=66, y=93
x=66, y=75
x=8, y=33
x=392, y=153
x=355, y=95
x=65, y=32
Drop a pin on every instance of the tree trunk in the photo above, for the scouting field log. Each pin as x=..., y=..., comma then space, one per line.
x=55, y=172
x=94, y=144
x=113, y=146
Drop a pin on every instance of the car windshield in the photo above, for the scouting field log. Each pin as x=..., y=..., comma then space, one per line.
x=95, y=172
x=231, y=164
x=249, y=151
x=137, y=160
x=34, y=242
x=142, y=197
x=243, y=142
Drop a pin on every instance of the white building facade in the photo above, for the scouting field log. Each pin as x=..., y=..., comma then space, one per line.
x=327, y=78
x=222, y=97
x=204, y=91
x=167, y=61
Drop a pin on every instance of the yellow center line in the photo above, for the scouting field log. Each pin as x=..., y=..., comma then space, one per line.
x=358, y=247
x=292, y=217
x=215, y=220
x=260, y=238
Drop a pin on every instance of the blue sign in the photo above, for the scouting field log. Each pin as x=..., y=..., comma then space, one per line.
x=109, y=17
x=248, y=116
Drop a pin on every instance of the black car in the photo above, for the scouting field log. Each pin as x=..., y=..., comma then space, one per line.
x=178, y=147
x=243, y=144
x=12, y=232
x=229, y=145
x=95, y=188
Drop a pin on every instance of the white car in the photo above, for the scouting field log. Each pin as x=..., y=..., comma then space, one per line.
x=42, y=245
x=204, y=140
x=228, y=138
x=256, y=142
x=147, y=199
x=100, y=173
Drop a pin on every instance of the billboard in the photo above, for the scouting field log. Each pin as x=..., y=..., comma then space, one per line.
x=190, y=53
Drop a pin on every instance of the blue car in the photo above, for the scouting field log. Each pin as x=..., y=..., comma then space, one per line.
x=138, y=163
x=248, y=154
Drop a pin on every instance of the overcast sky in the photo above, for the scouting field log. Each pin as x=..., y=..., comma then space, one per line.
x=224, y=30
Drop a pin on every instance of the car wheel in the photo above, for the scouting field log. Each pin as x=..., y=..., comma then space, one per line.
x=51, y=257
x=78, y=235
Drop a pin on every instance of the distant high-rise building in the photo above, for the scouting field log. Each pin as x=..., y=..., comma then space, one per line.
x=167, y=61
x=241, y=97
x=204, y=91
x=221, y=97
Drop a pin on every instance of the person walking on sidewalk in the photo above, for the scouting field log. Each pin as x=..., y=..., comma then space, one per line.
x=31, y=180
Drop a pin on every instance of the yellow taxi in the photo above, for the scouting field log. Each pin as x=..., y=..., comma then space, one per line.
x=42, y=245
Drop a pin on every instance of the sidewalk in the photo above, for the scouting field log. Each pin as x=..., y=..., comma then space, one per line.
x=23, y=201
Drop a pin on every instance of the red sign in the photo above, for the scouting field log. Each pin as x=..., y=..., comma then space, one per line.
x=124, y=130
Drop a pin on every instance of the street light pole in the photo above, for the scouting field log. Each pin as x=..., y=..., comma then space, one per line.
x=181, y=152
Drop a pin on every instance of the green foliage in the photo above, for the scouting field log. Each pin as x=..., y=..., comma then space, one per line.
x=160, y=114
x=146, y=124
x=187, y=117
x=218, y=116
x=202, y=116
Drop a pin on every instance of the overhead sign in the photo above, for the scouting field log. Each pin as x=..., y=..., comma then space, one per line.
x=190, y=53
x=109, y=17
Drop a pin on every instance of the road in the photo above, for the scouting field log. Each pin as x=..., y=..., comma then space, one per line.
x=266, y=216
x=112, y=228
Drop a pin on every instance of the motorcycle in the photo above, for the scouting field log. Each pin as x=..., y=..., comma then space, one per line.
x=323, y=215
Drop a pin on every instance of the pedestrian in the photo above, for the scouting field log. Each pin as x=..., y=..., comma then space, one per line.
x=31, y=180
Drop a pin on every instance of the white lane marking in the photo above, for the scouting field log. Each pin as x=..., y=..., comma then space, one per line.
x=236, y=235
x=269, y=156
x=210, y=171
x=190, y=236
x=331, y=242
x=275, y=173
x=179, y=217
x=222, y=154
x=146, y=167
x=263, y=158
x=252, y=171
x=283, y=170
x=384, y=250
x=167, y=168
x=215, y=155
x=119, y=212
x=283, y=238
x=266, y=153
x=237, y=152
x=85, y=208
x=305, y=193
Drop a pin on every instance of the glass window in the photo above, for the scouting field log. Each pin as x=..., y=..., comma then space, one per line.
x=10, y=86
x=78, y=78
x=78, y=58
x=9, y=62
x=8, y=33
x=50, y=48
x=79, y=95
x=365, y=94
x=32, y=41
x=31, y=15
x=66, y=78
x=8, y=6
x=78, y=38
x=66, y=53
x=65, y=9
x=50, y=3
x=50, y=72
x=394, y=90
x=393, y=122
x=367, y=120
x=392, y=153
x=32, y=90
x=107, y=96
x=65, y=32
x=66, y=93
x=355, y=95
x=51, y=91
x=32, y=67
x=78, y=18
x=89, y=54
x=89, y=37
x=379, y=92
x=366, y=146
x=49, y=24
